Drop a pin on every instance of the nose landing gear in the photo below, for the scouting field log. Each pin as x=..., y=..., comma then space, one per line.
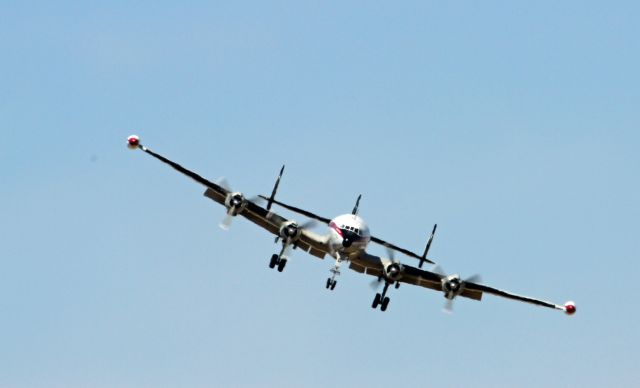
x=335, y=271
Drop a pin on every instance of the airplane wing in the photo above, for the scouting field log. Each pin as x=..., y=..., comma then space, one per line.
x=473, y=287
x=373, y=265
x=309, y=242
x=377, y=240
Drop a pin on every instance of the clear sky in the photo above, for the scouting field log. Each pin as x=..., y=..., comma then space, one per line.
x=515, y=127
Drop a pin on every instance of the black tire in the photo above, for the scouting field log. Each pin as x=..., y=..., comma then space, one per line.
x=328, y=283
x=273, y=261
x=333, y=284
x=281, y=264
x=385, y=303
x=376, y=301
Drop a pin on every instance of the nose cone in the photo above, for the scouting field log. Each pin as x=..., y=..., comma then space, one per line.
x=346, y=242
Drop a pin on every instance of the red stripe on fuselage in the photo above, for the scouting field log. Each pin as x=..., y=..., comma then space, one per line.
x=333, y=226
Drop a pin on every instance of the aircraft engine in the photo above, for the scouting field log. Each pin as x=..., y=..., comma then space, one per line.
x=235, y=203
x=393, y=271
x=290, y=231
x=452, y=286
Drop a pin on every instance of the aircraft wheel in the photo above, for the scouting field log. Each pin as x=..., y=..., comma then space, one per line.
x=376, y=301
x=385, y=303
x=273, y=261
x=281, y=264
x=328, y=283
x=333, y=284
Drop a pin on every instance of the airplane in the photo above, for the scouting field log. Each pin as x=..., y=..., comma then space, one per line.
x=346, y=242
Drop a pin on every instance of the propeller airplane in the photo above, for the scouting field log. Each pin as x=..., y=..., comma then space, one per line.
x=346, y=242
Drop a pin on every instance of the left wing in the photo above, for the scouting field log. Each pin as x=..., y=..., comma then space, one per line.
x=310, y=242
x=375, y=266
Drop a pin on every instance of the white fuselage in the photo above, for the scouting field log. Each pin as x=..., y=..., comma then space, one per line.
x=348, y=234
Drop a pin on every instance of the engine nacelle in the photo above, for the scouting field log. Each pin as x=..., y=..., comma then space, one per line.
x=452, y=286
x=290, y=231
x=235, y=203
x=393, y=271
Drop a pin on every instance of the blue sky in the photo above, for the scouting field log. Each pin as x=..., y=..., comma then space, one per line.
x=513, y=126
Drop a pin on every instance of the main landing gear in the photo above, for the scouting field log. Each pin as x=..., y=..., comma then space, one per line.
x=381, y=299
x=331, y=283
x=279, y=260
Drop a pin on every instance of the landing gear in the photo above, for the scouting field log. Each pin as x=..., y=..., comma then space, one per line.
x=281, y=264
x=385, y=303
x=376, y=301
x=335, y=271
x=381, y=299
x=279, y=260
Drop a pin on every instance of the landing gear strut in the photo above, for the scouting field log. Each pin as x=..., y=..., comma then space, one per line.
x=381, y=299
x=335, y=271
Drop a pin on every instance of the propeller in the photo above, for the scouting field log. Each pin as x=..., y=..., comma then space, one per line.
x=290, y=234
x=376, y=283
x=293, y=229
x=225, y=224
x=222, y=182
x=234, y=202
x=452, y=286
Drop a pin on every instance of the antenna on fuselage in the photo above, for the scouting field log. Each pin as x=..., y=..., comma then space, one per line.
x=355, y=208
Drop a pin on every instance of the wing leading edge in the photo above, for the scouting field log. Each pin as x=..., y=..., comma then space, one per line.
x=309, y=242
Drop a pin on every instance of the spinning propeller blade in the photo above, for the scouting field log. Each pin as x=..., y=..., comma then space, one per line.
x=225, y=224
x=448, y=306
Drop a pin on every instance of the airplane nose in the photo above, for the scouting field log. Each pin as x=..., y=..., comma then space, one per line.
x=346, y=243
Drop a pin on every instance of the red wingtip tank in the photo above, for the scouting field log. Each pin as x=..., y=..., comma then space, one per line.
x=133, y=142
x=570, y=308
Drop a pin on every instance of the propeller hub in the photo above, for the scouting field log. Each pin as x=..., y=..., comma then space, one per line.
x=236, y=201
x=347, y=242
x=393, y=271
x=291, y=230
x=452, y=285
